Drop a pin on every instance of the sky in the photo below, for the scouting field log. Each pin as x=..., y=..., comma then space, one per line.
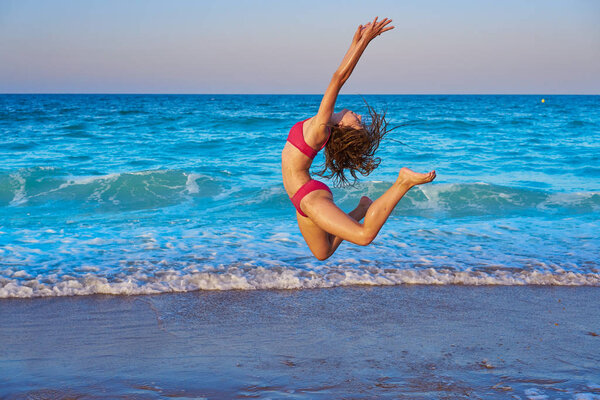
x=284, y=46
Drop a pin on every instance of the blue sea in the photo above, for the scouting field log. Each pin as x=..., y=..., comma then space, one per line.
x=143, y=194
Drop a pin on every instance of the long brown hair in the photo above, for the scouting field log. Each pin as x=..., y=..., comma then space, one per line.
x=354, y=149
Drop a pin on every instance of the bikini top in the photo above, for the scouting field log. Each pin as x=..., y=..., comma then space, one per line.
x=296, y=137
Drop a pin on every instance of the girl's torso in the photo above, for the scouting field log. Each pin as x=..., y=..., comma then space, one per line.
x=295, y=164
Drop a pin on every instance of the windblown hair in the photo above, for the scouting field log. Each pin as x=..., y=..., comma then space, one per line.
x=353, y=149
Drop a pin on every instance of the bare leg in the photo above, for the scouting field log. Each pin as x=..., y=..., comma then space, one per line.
x=327, y=216
x=381, y=208
x=357, y=214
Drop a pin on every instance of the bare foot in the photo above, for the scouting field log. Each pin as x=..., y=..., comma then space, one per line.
x=412, y=178
x=361, y=210
x=365, y=202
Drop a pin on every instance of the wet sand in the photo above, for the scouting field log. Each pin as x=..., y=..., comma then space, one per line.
x=407, y=342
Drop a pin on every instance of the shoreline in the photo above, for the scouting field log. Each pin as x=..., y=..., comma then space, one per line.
x=287, y=278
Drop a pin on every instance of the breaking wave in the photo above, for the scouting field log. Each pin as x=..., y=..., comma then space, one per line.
x=39, y=186
x=19, y=284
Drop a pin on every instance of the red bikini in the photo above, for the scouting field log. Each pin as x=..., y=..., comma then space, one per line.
x=296, y=138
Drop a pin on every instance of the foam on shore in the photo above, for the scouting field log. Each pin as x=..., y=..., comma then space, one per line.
x=18, y=284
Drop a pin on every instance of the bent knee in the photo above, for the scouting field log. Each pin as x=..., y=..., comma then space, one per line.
x=365, y=238
x=322, y=256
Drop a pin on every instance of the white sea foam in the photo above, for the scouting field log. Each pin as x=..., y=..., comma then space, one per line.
x=573, y=199
x=190, y=185
x=20, y=195
x=249, y=277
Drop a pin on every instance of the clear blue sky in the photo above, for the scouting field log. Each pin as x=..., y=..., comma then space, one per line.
x=227, y=46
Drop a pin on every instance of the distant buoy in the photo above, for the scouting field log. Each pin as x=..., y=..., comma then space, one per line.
x=543, y=100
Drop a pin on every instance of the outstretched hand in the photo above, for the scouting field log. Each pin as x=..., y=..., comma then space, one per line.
x=365, y=33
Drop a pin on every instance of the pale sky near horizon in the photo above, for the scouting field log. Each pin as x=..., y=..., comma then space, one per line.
x=269, y=46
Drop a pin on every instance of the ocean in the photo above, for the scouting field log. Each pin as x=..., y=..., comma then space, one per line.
x=145, y=194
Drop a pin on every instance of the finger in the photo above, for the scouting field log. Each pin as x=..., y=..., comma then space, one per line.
x=382, y=27
x=384, y=30
x=384, y=23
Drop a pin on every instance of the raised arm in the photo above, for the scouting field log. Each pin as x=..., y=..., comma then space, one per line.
x=362, y=37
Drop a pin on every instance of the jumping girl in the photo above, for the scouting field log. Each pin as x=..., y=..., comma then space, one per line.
x=349, y=145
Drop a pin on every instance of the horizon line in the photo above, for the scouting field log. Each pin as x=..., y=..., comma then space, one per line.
x=297, y=94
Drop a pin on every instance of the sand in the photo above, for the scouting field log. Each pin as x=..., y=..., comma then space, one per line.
x=413, y=342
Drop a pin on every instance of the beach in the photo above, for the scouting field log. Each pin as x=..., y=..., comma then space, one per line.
x=156, y=159
x=412, y=342
x=148, y=250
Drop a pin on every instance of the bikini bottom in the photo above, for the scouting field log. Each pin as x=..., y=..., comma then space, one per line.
x=308, y=187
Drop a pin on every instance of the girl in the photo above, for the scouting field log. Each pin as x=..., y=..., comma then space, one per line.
x=349, y=145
